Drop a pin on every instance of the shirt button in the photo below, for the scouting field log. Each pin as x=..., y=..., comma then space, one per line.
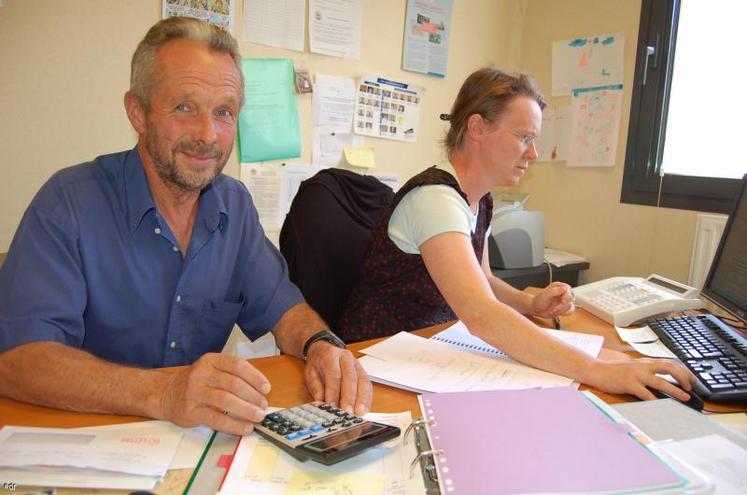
x=157, y=230
x=173, y=344
x=174, y=248
x=178, y=298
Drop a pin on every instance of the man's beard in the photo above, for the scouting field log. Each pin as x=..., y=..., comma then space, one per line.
x=182, y=178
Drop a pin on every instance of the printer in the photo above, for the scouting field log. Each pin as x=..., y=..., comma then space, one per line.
x=517, y=237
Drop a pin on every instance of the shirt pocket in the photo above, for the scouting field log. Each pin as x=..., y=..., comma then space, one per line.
x=217, y=318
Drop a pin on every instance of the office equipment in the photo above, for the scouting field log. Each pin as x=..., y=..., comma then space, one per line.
x=715, y=352
x=540, y=276
x=322, y=432
x=536, y=441
x=624, y=300
x=517, y=237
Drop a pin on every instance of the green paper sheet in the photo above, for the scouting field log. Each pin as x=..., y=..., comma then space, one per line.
x=268, y=123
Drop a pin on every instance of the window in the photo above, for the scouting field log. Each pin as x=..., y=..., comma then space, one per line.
x=695, y=162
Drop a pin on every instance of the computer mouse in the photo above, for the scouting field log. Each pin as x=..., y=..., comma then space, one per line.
x=695, y=402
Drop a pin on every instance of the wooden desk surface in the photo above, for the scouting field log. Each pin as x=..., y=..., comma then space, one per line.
x=286, y=376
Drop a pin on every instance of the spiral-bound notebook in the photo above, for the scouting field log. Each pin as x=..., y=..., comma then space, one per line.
x=552, y=440
x=458, y=335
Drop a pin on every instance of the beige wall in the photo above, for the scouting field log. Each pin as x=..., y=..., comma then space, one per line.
x=66, y=68
x=66, y=64
x=582, y=207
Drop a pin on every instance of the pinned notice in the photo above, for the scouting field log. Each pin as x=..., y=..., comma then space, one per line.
x=362, y=156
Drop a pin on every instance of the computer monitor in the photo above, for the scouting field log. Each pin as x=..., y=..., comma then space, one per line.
x=726, y=284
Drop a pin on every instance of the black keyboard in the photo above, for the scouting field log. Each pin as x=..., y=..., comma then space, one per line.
x=713, y=351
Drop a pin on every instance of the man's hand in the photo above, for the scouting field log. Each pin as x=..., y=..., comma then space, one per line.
x=556, y=299
x=334, y=376
x=223, y=392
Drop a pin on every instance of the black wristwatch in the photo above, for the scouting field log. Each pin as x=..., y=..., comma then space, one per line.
x=323, y=335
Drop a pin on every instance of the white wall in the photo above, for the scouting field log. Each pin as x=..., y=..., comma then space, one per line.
x=66, y=69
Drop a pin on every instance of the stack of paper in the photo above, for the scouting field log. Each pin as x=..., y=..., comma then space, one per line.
x=118, y=458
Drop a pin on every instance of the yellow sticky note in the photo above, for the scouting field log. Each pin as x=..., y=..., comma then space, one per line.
x=360, y=156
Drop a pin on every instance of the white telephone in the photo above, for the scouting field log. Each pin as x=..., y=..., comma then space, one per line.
x=623, y=300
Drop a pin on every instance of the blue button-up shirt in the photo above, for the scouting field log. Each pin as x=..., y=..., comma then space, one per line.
x=93, y=265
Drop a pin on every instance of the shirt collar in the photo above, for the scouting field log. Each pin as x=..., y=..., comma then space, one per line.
x=212, y=210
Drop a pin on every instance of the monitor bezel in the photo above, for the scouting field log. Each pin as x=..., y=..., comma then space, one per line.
x=727, y=304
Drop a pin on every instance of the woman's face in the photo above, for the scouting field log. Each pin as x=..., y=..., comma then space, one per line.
x=508, y=145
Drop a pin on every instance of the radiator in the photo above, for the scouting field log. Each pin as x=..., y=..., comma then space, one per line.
x=708, y=230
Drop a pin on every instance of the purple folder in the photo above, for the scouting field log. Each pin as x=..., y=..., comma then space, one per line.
x=550, y=440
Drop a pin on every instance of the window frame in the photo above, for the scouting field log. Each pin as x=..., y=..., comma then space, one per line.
x=642, y=183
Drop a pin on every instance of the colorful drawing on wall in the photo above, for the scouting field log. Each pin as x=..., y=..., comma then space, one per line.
x=586, y=63
x=595, y=125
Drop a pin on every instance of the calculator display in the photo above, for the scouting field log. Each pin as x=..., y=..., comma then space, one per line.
x=347, y=438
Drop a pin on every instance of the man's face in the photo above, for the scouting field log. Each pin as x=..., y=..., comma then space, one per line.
x=194, y=107
x=509, y=144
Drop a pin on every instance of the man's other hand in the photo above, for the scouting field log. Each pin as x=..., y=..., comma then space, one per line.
x=222, y=392
x=334, y=376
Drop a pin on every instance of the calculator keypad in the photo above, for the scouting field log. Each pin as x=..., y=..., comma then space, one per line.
x=307, y=421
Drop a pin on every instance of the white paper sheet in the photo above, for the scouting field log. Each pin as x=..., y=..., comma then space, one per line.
x=458, y=334
x=273, y=23
x=595, y=125
x=333, y=102
x=553, y=142
x=335, y=27
x=653, y=349
x=329, y=143
x=638, y=335
x=587, y=62
x=432, y=366
x=77, y=478
x=190, y=447
x=562, y=258
x=263, y=469
x=723, y=462
x=137, y=452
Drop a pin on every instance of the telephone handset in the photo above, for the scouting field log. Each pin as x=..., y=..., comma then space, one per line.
x=624, y=300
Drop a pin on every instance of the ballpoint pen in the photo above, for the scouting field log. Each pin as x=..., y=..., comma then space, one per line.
x=556, y=319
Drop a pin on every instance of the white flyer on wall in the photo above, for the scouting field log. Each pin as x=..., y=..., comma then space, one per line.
x=387, y=109
x=273, y=23
x=427, y=28
x=333, y=102
x=587, y=62
x=595, y=125
x=217, y=12
x=552, y=144
x=335, y=27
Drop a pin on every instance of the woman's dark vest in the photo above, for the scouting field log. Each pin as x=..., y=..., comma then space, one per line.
x=395, y=291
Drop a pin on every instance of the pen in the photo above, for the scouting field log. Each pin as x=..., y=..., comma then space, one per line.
x=556, y=319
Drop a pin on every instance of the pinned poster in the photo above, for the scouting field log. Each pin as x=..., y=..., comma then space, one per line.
x=388, y=109
x=362, y=156
x=587, y=62
x=427, y=28
x=595, y=125
x=268, y=122
x=218, y=12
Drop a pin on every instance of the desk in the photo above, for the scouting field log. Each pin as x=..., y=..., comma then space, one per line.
x=286, y=376
x=539, y=276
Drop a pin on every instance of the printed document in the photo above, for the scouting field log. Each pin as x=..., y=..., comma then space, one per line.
x=273, y=23
x=414, y=363
x=335, y=27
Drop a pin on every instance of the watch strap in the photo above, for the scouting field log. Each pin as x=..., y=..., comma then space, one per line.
x=322, y=335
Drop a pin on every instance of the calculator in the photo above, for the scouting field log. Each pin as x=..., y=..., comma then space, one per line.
x=322, y=432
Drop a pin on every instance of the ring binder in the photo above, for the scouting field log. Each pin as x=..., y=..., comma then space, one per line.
x=425, y=456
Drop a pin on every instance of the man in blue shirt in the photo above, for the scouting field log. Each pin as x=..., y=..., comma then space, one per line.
x=145, y=259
